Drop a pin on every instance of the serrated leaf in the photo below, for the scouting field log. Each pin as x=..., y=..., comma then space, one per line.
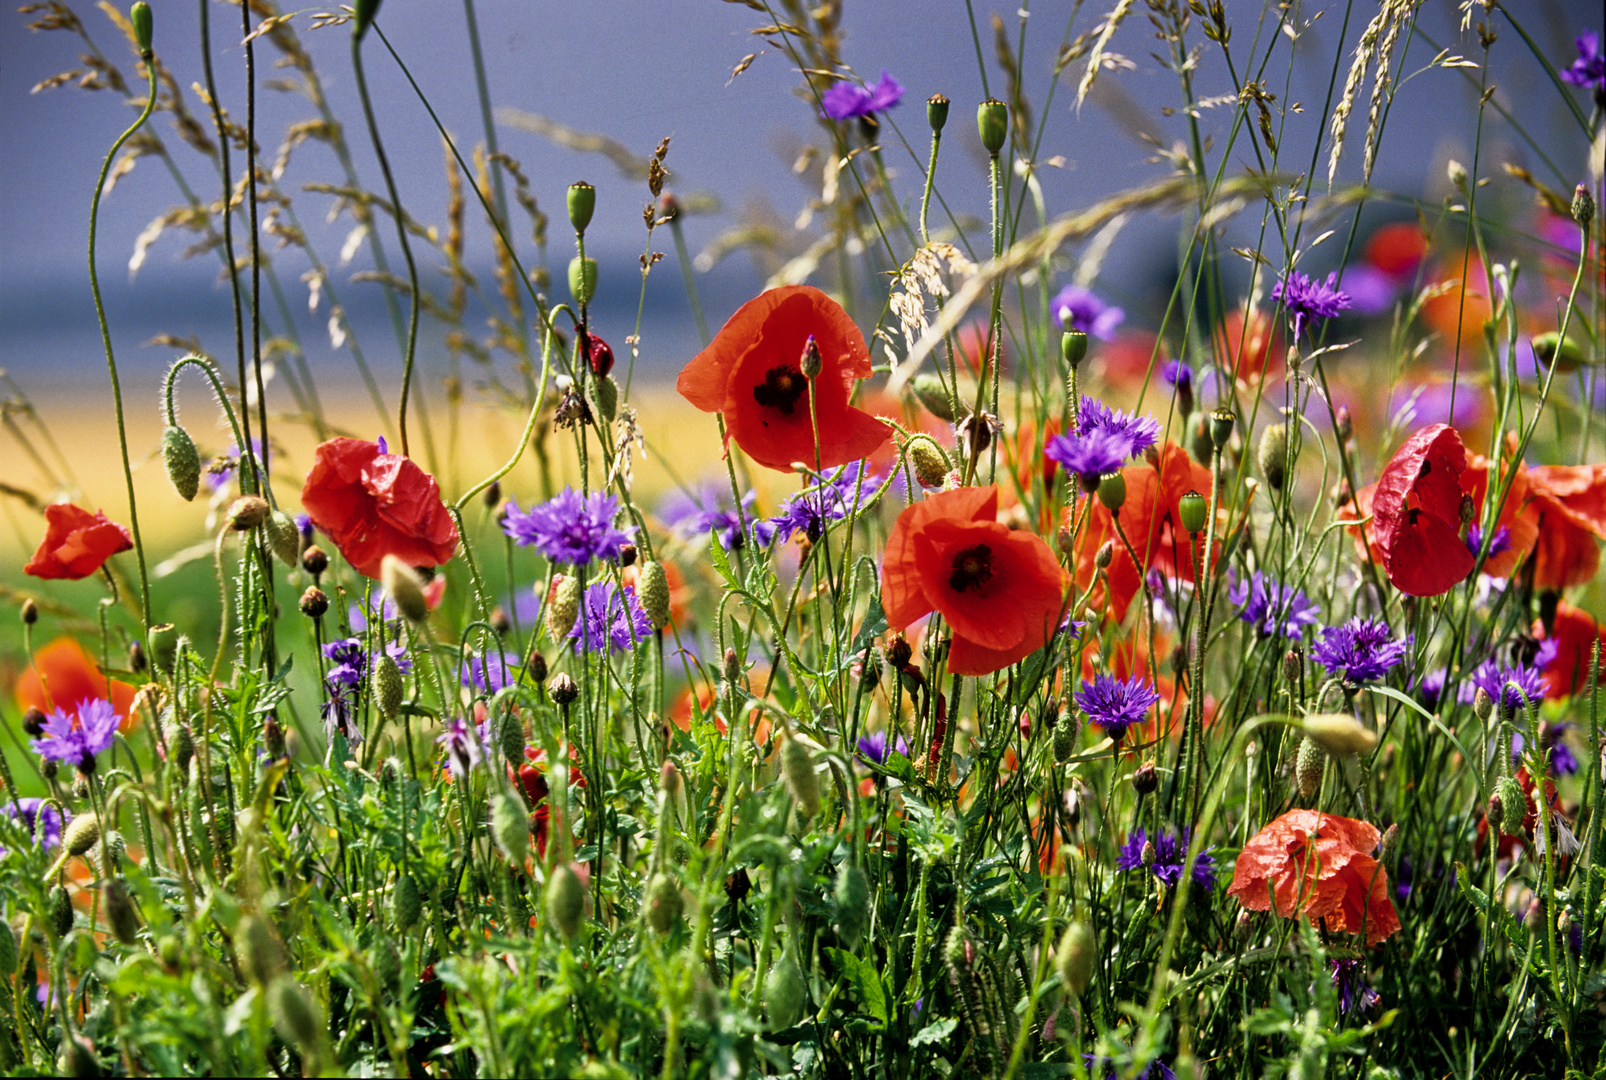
x=935, y=1032
x=866, y=983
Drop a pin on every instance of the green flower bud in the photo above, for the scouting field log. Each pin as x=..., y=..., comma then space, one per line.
x=810, y=363
x=931, y=466
x=582, y=279
x=81, y=834
x=363, y=16
x=1273, y=455
x=61, y=912
x=1564, y=353
x=139, y=16
x=937, y=112
x=1513, y=805
x=257, y=950
x=606, y=393
x=1339, y=733
x=664, y=903
x=1074, y=958
x=510, y=828
x=564, y=607
x=1112, y=492
x=1073, y=348
x=852, y=901
x=1064, y=736
x=992, y=122
x=565, y=900
x=183, y=461
x=284, y=539
x=405, y=587
x=405, y=903
x=1308, y=766
x=510, y=738
x=1145, y=781
x=1198, y=436
x=797, y=766
x=1193, y=511
x=247, y=512
x=784, y=992
x=121, y=914
x=386, y=963
x=652, y=587
x=582, y=204
x=1583, y=204
x=387, y=686
x=933, y=396
x=295, y=1017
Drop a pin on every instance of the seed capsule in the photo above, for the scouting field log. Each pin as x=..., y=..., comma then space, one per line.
x=992, y=123
x=582, y=204
x=936, y=112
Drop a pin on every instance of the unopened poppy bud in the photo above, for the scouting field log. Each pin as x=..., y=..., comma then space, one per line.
x=1339, y=733
x=257, y=950
x=510, y=827
x=284, y=539
x=810, y=362
x=565, y=900
x=314, y=560
x=536, y=666
x=1583, y=205
x=1193, y=510
x=81, y=834
x=1073, y=348
x=1145, y=780
x=30, y=612
x=314, y=603
x=121, y=914
x=1112, y=492
x=933, y=396
x=1222, y=423
x=784, y=992
x=582, y=279
x=183, y=462
x=937, y=113
x=653, y=587
x=405, y=903
x=139, y=17
x=1105, y=555
x=1345, y=424
x=732, y=667
x=797, y=767
x=405, y=587
x=992, y=123
x=387, y=680
x=1198, y=435
x=1553, y=349
x=668, y=780
x=564, y=607
x=1308, y=765
x=1273, y=455
x=931, y=467
x=1146, y=853
x=363, y=13
x=1293, y=664
x=1482, y=704
x=582, y=204
x=1468, y=510
x=1065, y=540
x=1513, y=806
x=606, y=392
x=61, y=911
x=247, y=512
x=33, y=722
x=852, y=901
x=664, y=903
x=1074, y=958
x=510, y=738
x=563, y=688
x=1064, y=736
x=1390, y=834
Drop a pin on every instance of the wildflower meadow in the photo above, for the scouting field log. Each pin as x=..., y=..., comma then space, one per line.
x=973, y=656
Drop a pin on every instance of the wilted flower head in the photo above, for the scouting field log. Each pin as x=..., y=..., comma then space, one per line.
x=1076, y=308
x=1116, y=704
x=846, y=100
x=1308, y=299
x=76, y=739
x=1361, y=649
x=1272, y=608
x=570, y=528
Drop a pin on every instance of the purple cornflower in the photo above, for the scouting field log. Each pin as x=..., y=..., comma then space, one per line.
x=1139, y=432
x=570, y=527
x=846, y=100
x=1431, y=689
x=1114, y=704
x=692, y=516
x=1308, y=299
x=1165, y=856
x=489, y=673
x=874, y=747
x=1589, y=70
x=1076, y=308
x=78, y=738
x=1105, y=440
x=463, y=748
x=810, y=510
x=1559, y=757
x=29, y=812
x=606, y=621
x=1360, y=648
x=1272, y=608
x=1349, y=979
x=1511, y=687
x=1500, y=541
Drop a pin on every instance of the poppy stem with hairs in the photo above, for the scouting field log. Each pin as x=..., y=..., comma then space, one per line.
x=149, y=59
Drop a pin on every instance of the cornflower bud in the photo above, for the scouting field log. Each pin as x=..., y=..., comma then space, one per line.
x=314, y=561
x=582, y=204
x=937, y=113
x=137, y=663
x=1583, y=205
x=565, y=900
x=1345, y=426
x=797, y=766
x=537, y=667
x=1145, y=780
x=30, y=611
x=247, y=512
x=1482, y=704
x=405, y=587
x=564, y=607
x=653, y=591
x=272, y=737
x=1293, y=664
x=732, y=669
x=992, y=123
x=899, y=652
x=33, y=722
x=1193, y=511
x=563, y=688
x=314, y=603
x=1105, y=555
x=183, y=461
x=1146, y=854
x=810, y=362
x=1074, y=958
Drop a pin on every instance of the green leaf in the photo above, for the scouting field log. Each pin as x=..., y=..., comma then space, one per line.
x=936, y=1032
x=866, y=983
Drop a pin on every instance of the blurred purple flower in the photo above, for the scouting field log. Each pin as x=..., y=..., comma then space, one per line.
x=846, y=100
x=1076, y=308
x=76, y=739
x=1371, y=291
x=1589, y=70
x=1497, y=543
x=606, y=621
x=28, y=812
x=1272, y=608
x=692, y=516
x=463, y=747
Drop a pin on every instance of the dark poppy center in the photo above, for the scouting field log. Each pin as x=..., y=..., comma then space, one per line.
x=782, y=386
x=973, y=568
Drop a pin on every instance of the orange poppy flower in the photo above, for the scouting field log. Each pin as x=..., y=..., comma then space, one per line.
x=1321, y=866
x=63, y=677
x=1459, y=307
x=752, y=375
x=76, y=543
x=1569, y=508
x=1151, y=520
x=1248, y=345
x=1001, y=592
x=1416, y=513
x=1575, y=633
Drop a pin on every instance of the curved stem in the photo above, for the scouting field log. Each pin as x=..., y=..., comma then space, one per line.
x=170, y=385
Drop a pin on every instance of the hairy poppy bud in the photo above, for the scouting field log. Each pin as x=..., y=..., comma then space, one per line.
x=1513, y=806
x=1583, y=205
x=1273, y=455
x=653, y=587
x=1112, y=492
x=664, y=903
x=992, y=123
x=30, y=611
x=1193, y=510
x=606, y=392
x=1339, y=734
x=284, y=539
x=139, y=17
x=295, y=1017
x=565, y=900
x=183, y=461
x=81, y=834
x=1146, y=854
x=510, y=827
x=314, y=604
x=405, y=587
x=1073, y=348
x=1145, y=780
x=1064, y=736
x=1074, y=958
x=564, y=607
x=797, y=766
x=61, y=912
x=931, y=467
x=1482, y=704
x=121, y=914
x=933, y=396
x=582, y=279
x=314, y=561
x=1345, y=428
x=937, y=113
x=852, y=901
x=733, y=666
x=582, y=204
x=257, y=950
x=563, y=688
x=510, y=738
x=784, y=991
x=387, y=680
x=1308, y=766
x=247, y=512
x=405, y=903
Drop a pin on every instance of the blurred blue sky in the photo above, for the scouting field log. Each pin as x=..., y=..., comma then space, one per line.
x=636, y=72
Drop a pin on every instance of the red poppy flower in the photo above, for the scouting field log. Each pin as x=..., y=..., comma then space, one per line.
x=62, y=676
x=752, y=374
x=1151, y=520
x=1416, y=513
x=1002, y=592
x=372, y=503
x=1457, y=304
x=76, y=543
x=1516, y=516
x=1569, y=511
x=1397, y=250
x=1575, y=633
x=1248, y=344
x=1321, y=866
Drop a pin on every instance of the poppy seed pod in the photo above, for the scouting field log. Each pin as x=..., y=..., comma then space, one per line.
x=992, y=123
x=1194, y=511
x=582, y=279
x=937, y=113
x=183, y=462
x=797, y=766
x=1074, y=958
x=1073, y=348
x=564, y=607
x=247, y=512
x=1112, y=492
x=565, y=900
x=582, y=204
x=1339, y=734
x=1272, y=455
x=652, y=586
x=405, y=587
x=1222, y=422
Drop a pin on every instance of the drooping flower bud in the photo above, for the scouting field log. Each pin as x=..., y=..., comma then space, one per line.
x=784, y=991
x=1273, y=455
x=183, y=461
x=121, y=914
x=664, y=903
x=247, y=512
x=1197, y=432
x=564, y=607
x=797, y=766
x=1339, y=733
x=139, y=17
x=565, y=900
x=81, y=834
x=405, y=587
x=992, y=123
x=652, y=586
x=931, y=467
x=582, y=204
x=1565, y=353
x=61, y=911
x=1074, y=958
x=933, y=396
x=363, y=13
x=937, y=112
x=606, y=393
x=284, y=539
x=1193, y=511
x=1064, y=735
